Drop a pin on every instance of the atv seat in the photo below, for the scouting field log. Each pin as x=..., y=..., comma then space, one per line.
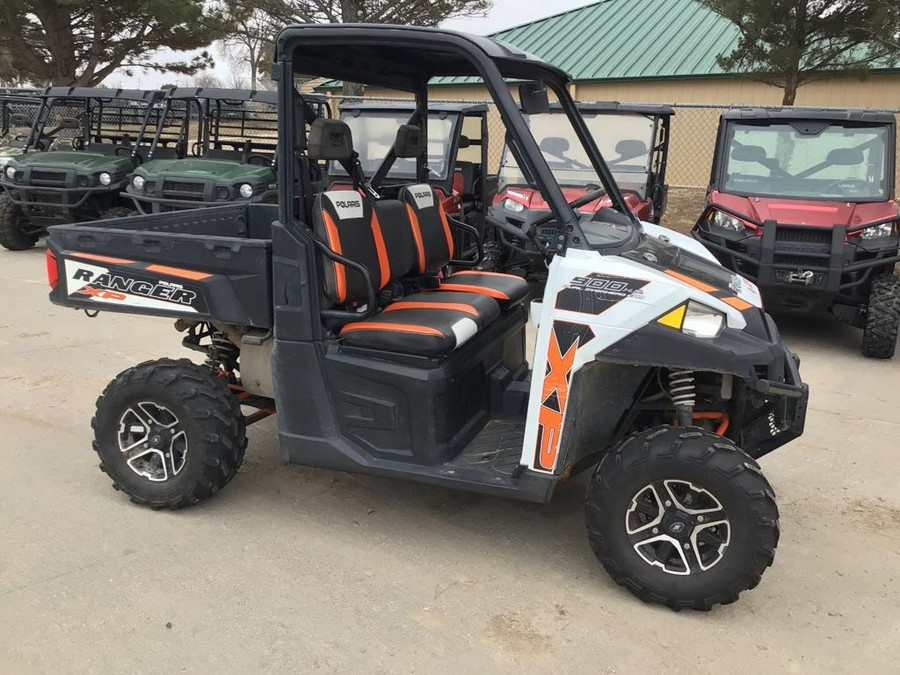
x=434, y=246
x=426, y=324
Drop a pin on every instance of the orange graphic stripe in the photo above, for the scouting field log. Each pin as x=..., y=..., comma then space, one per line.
x=418, y=304
x=334, y=241
x=103, y=258
x=737, y=303
x=447, y=232
x=383, y=260
x=417, y=235
x=178, y=272
x=481, y=290
x=397, y=327
x=699, y=285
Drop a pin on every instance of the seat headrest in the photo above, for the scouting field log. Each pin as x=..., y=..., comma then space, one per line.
x=408, y=143
x=330, y=140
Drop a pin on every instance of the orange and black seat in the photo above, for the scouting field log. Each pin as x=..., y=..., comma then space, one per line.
x=434, y=249
x=426, y=324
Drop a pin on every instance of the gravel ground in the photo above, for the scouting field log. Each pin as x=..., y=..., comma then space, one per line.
x=292, y=569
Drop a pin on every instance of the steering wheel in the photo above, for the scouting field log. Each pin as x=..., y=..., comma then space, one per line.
x=575, y=203
x=857, y=186
x=122, y=150
x=78, y=143
x=263, y=160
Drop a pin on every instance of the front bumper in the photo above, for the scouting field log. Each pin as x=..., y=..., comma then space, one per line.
x=800, y=267
x=785, y=397
x=54, y=199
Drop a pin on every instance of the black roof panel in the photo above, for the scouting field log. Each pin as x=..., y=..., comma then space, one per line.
x=93, y=92
x=793, y=113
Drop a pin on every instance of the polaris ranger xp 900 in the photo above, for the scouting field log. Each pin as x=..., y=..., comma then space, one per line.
x=654, y=367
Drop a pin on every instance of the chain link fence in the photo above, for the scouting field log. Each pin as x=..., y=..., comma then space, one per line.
x=691, y=149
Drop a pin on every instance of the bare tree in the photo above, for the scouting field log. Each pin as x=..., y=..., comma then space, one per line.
x=250, y=40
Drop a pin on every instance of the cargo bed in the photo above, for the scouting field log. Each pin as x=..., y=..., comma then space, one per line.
x=205, y=264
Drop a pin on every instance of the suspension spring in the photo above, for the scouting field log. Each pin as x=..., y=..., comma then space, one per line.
x=683, y=392
x=222, y=352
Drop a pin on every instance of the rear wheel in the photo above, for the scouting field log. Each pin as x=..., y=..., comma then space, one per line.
x=15, y=228
x=882, y=317
x=682, y=517
x=169, y=433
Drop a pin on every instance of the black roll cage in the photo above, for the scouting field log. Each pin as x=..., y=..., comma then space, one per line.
x=461, y=112
x=407, y=58
x=85, y=96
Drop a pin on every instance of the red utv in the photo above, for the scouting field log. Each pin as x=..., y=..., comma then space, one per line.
x=457, y=152
x=801, y=202
x=633, y=137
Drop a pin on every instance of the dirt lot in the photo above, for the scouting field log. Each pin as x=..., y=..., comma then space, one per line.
x=684, y=207
x=293, y=570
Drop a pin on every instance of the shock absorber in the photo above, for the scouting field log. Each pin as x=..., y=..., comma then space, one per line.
x=222, y=352
x=683, y=392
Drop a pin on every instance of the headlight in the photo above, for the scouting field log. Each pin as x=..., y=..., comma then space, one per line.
x=11, y=172
x=105, y=178
x=725, y=222
x=512, y=205
x=701, y=321
x=879, y=231
x=4, y=161
x=138, y=182
x=246, y=190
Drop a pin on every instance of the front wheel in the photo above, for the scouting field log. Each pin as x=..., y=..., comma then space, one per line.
x=682, y=517
x=882, y=317
x=16, y=233
x=169, y=433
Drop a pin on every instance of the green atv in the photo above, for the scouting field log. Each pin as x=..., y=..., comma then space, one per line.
x=17, y=113
x=91, y=142
x=213, y=146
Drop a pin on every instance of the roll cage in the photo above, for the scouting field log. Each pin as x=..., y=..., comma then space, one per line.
x=103, y=118
x=457, y=113
x=406, y=59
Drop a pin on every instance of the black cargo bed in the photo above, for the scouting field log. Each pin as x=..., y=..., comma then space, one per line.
x=208, y=264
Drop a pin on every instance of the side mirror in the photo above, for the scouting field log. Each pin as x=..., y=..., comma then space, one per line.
x=533, y=98
x=464, y=142
x=845, y=157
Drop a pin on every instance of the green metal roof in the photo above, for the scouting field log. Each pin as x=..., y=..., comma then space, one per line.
x=627, y=39
x=624, y=40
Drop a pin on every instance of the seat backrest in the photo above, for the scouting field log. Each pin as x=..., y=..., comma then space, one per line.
x=430, y=229
x=346, y=222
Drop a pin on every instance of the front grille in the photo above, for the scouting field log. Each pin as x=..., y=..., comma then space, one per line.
x=183, y=186
x=49, y=176
x=805, y=235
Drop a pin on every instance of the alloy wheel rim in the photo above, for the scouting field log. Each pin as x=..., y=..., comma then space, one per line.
x=678, y=526
x=152, y=441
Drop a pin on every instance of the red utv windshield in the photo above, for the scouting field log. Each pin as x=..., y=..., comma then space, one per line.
x=807, y=161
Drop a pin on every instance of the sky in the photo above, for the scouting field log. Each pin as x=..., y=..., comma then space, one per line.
x=504, y=14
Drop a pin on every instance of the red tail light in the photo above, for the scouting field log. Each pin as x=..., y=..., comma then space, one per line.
x=52, y=269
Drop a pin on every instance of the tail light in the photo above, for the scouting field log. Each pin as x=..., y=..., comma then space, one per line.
x=52, y=269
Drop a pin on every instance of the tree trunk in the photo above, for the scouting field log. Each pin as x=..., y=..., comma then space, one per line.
x=350, y=13
x=791, y=84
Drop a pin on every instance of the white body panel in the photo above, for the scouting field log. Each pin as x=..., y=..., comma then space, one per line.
x=629, y=296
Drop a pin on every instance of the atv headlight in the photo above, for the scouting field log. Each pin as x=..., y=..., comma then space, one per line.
x=879, y=231
x=701, y=321
x=11, y=172
x=246, y=190
x=725, y=222
x=105, y=179
x=512, y=205
x=138, y=183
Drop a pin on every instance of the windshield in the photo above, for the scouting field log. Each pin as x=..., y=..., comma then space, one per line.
x=625, y=141
x=374, y=134
x=806, y=160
